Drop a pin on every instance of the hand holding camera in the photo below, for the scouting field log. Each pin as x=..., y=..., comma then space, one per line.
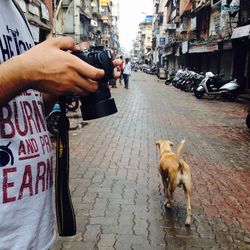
x=100, y=103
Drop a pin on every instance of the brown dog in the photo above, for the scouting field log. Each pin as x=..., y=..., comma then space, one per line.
x=174, y=172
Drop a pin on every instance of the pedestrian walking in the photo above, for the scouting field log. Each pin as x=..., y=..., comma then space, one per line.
x=31, y=79
x=113, y=83
x=126, y=72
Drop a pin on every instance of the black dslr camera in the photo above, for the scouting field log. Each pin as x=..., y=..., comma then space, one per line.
x=100, y=103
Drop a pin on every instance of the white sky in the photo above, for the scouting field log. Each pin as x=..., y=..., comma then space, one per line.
x=131, y=14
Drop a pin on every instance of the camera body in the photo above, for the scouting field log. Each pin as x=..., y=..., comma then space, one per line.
x=100, y=103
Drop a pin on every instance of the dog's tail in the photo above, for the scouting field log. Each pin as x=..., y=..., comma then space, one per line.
x=181, y=166
x=179, y=149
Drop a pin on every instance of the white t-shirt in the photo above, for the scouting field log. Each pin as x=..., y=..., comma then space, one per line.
x=26, y=212
x=127, y=68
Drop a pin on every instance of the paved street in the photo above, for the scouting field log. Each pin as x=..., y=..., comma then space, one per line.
x=116, y=188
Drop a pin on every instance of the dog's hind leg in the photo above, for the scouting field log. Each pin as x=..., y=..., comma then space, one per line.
x=165, y=186
x=187, y=190
x=168, y=202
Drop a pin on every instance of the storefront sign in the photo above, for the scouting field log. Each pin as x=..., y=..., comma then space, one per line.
x=241, y=32
x=103, y=3
x=230, y=5
x=211, y=47
x=162, y=40
x=197, y=49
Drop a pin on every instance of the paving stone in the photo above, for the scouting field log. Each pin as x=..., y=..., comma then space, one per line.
x=106, y=240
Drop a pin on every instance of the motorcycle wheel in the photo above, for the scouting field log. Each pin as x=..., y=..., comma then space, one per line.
x=198, y=94
x=167, y=82
x=229, y=96
x=248, y=120
x=191, y=88
x=73, y=104
x=52, y=122
x=187, y=87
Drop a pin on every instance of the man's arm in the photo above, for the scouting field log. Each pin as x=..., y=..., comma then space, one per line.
x=47, y=67
x=11, y=82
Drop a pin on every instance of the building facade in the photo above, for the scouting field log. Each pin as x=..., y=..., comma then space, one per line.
x=203, y=35
x=40, y=16
x=92, y=22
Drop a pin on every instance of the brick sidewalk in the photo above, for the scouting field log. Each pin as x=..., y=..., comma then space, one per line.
x=117, y=191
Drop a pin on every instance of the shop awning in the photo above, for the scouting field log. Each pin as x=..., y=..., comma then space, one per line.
x=241, y=32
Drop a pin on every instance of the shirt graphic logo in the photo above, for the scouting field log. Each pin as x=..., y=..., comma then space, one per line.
x=6, y=155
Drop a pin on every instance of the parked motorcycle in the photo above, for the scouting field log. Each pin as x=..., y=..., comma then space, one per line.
x=170, y=78
x=53, y=119
x=213, y=85
x=178, y=77
x=72, y=102
x=192, y=81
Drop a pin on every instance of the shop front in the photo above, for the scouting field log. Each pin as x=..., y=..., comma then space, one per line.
x=241, y=53
x=213, y=56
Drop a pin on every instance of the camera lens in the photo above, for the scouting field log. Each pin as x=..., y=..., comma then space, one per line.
x=100, y=103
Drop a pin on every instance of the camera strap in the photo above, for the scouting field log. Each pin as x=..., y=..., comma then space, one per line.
x=64, y=209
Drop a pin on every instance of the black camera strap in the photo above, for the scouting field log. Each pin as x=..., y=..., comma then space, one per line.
x=64, y=209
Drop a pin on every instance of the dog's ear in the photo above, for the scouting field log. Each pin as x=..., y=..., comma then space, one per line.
x=157, y=143
x=171, y=143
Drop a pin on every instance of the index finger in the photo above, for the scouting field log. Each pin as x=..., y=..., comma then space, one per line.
x=88, y=70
